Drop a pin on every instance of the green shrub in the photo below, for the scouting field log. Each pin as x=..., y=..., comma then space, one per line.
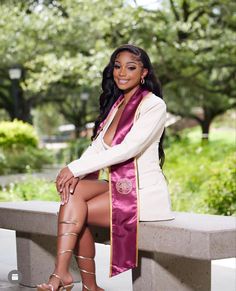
x=188, y=166
x=171, y=136
x=29, y=159
x=19, y=152
x=221, y=189
x=29, y=189
x=17, y=134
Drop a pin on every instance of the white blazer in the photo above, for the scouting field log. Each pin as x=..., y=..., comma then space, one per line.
x=141, y=142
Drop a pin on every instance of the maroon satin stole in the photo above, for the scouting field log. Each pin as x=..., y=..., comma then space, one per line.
x=124, y=197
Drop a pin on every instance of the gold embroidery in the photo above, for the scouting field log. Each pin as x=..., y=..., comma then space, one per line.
x=124, y=186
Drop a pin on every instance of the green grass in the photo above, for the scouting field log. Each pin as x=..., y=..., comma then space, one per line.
x=227, y=135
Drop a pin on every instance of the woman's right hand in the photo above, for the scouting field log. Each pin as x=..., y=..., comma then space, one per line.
x=65, y=184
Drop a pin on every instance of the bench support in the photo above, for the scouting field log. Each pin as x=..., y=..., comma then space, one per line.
x=36, y=258
x=200, y=238
x=163, y=272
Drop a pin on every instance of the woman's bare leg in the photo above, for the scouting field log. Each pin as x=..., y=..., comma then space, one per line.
x=98, y=214
x=71, y=220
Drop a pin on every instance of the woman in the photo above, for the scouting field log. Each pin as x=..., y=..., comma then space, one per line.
x=127, y=142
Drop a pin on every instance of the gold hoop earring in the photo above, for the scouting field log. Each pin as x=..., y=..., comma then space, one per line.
x=142, y=81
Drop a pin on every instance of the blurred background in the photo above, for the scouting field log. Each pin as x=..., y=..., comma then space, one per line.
x=52, y=54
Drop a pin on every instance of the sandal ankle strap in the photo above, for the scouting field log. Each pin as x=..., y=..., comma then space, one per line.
x=85, y=258
x=68, y=233
x=86, y=272
x=68, y=222
x=58, y=277
x=65, y=251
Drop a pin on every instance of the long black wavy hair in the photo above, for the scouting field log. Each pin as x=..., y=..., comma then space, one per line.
x=111, y=92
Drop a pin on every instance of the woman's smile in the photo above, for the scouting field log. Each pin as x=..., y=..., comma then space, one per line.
x=122, y=81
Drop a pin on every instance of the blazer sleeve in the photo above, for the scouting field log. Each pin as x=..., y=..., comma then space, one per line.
x=150, y=124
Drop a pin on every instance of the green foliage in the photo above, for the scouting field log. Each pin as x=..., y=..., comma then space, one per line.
x=228, y=134
x=64, y=48
x=23, y=160
x=47, y=120
x=29, y=189
x=189, y=167
x=221, y=189
x=201, y=177
x=17, y=134
x=77, y=147
x=19, y=150
x=171, y=136
x=73, y=151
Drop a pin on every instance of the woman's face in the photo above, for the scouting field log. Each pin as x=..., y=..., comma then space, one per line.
x=128, y=71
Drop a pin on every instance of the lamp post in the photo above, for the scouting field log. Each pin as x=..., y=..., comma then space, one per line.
x=84, y=97
x=15, y=73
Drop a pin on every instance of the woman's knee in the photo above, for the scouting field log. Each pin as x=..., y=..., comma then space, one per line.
x=88, y=189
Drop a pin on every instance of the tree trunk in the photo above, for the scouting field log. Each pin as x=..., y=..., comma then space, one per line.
x=77, y=131
x=205, y=126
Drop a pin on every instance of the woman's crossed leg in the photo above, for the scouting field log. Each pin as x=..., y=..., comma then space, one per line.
x=89, y=205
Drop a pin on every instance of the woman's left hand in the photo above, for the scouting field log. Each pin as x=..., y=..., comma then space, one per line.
x=65, y=184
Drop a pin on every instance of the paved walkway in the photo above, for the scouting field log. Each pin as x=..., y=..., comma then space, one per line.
x=223, y=271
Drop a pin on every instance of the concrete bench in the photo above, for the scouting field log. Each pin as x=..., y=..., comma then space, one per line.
x=173, y=255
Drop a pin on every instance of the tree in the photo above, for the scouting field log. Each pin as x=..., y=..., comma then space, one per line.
x=56, y=50
x=193, y=44
x=68, y=43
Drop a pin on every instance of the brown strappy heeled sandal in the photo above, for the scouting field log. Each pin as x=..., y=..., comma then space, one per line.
x=62, y=286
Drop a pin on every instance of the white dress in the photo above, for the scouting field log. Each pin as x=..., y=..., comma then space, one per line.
x=142, y=143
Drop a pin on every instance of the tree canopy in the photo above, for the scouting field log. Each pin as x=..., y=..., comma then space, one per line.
x=64, y=45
